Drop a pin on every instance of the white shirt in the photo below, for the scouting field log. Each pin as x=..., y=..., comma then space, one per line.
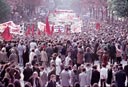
x=33, y=45
x=58, y=65
x=67, y=59
x=31, y=56
x=103, y=73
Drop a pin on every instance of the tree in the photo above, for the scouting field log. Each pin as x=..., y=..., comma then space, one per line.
x=4, y=11
x=119, y=7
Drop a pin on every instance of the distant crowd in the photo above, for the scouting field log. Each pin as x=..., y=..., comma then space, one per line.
x=67, y=61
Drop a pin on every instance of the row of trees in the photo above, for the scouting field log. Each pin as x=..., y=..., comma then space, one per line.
x=26, y=9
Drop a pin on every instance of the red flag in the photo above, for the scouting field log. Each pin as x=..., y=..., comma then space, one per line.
x=33, y=26
x=47, y=29
x=28, y=31
x=39, y=32
x=97, y=26
x=6, y=34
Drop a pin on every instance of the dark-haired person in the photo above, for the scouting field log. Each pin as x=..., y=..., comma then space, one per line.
x=120, y=77
x=52, y=82
x=27, y=72
x=95, y=75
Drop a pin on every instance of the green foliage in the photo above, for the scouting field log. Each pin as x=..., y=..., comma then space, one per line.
x=119, y=7
x=4, y=10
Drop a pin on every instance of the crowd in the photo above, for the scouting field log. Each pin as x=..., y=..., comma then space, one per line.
x=67, y=61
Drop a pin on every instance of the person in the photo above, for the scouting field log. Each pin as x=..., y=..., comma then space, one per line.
x=103, y=75
x=88, y=56
x=95, y=77
x=65, y=77
x=118, y=54
x=27, y=72
x=49, y=51
x=105, y=56
x=52, y=82
x=3, y=55
x=26, y=55
x=33, y=45
x=79, y=56
x=35, y=80
x=44, y=57
x=13, y=57
x=126, y=71
x=17, y=83
x=74, y=77
x=120, y=77
x=110, y=75
x=31, y=55
x=83, y=78
x=20, y=49
x=43, y=76
x=89, y=73
x=68, y=59
x=112, y=53
x=35, y=68
x=58, y=64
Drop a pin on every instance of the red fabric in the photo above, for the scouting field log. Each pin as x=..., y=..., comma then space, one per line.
x=47, y=30
x=28, y=31
x=39, y=32
x=6, y=34
x=97, y=26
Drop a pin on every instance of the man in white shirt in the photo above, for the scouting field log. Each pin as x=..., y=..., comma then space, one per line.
x=83, y=78
x=58, y=63
x=103, y=75
x=65, y=77
x=33, y=45
x=68, y=59
x=32, y=55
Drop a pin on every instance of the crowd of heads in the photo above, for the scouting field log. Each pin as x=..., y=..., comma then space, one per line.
x=66, y=60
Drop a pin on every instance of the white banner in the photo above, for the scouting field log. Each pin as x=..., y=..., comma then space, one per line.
x=14, y=29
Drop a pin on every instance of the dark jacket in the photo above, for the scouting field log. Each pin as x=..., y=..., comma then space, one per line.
x=126, y=69
x=37, y=82
x=95, y=77
x=51, y=84
x=110, y=76
x=27, y=73
x=120, y=78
